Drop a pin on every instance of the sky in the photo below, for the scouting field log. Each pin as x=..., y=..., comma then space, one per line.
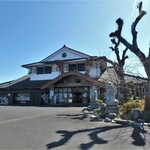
x=32, y=30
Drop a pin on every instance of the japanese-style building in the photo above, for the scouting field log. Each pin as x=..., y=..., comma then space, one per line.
x=64, y=77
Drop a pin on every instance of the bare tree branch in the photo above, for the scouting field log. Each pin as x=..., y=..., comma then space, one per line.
x=117, y=33
x=134, y=49
x=133, y=28
x=124, y=57
x=107, y=60
x=121, y=61
x=149, y=50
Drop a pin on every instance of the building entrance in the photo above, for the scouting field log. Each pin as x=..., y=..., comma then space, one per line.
x=71, y=95
x=77, y=97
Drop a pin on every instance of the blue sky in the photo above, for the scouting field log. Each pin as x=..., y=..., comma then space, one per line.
x=32, y=30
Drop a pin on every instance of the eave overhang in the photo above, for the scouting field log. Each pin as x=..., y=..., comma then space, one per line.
x=43, y=63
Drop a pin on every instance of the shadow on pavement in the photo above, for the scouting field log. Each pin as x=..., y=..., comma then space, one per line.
x=67, y=135
x=138, y=134
x=73, y=116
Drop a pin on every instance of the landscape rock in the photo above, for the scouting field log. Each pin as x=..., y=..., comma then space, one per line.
x=112, y=115
x=136, y=114
x=107, y=119
x=120, y=121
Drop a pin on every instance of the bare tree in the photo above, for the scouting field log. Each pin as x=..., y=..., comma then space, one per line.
x=133, y=47
x=118, y=66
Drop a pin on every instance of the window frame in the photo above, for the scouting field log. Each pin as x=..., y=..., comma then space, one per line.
x=81, y=67
x=39, y=70
x=47, y=70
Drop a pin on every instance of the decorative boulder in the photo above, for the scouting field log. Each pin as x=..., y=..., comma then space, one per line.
x=107, y=119
x=112, y=115
x=136, y=114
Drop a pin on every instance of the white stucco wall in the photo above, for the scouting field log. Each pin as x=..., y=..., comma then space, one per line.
x=69, y=55
x=44, y=76
x=95, y=70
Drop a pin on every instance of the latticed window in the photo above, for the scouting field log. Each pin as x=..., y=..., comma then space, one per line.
x=44, y=70
x=39, y=70
x=77, y=67
x=81, y=67
x=72, y=67
x=47, y=69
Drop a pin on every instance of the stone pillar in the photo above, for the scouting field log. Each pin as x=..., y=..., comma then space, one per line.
x=93, y=98
x=110, y=100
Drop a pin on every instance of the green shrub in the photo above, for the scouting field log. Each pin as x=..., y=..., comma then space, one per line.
x=126, y=108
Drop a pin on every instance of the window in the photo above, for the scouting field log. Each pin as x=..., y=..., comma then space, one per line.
x=64, y=55
x=70, y=94
x=81, y=67
x=22, y=97
x=47, y=70
x=39, y=70
x=72, y=67
x=33, y=70
x=77, y=67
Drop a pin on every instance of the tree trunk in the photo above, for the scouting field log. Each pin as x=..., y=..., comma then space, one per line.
x=147, y=93
x=147, y=102
x=120, y=74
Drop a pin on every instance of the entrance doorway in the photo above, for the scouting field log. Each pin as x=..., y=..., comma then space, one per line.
x=77, y=97
x=71, y=95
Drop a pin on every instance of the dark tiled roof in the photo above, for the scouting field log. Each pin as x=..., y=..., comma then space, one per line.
x=50, y=62
x=27, y=84
x=110, y=76
x=10, y=83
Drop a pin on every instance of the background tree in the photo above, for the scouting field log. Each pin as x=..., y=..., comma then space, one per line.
x=133, y=47
x=118, y=67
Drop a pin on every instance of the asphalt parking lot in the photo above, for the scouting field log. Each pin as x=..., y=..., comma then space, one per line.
x=65, y=128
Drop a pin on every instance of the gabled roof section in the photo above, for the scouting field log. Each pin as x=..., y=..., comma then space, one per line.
x=27, y=84
x=65, y=53
x=73, y=73
x=111, y=76
x=22, y=83
x=33, y=64
x=10, y=83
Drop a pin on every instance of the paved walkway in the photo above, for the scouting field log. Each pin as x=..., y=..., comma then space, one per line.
x=65, y=128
